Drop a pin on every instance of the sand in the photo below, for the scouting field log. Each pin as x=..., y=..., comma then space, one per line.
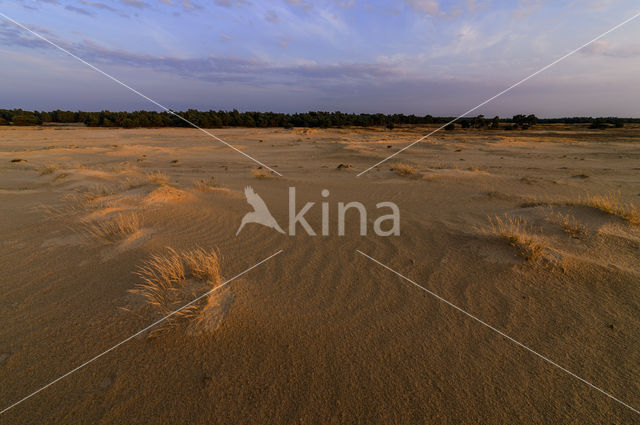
x=320, y=334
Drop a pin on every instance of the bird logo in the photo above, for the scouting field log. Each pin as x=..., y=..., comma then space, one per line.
x=260, y=213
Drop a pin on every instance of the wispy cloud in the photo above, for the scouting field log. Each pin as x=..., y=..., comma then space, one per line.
x=430, y=7
x=271, y=16
x=603, y=48
x=79, y=10
x=230, y=3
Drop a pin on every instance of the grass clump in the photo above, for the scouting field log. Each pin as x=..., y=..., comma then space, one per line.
x=158, y=177
x=404, y=170
x=519, y=234
x=171, y=280
x=48, y=169
x=113, y=229
x=154, y=177
x=612, y=204
x=569, y=224
x=205, y=186
x=261, y=173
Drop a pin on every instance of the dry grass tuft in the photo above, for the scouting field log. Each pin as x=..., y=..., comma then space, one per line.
x=206, y=186
x=154, y=177
x=569, y=224
x=158, y=177
x=48, y=169
x=113, y=229
x=612, y=204
x=404, y=170
x=519, y=234
x=261, y=173
x=172, y=280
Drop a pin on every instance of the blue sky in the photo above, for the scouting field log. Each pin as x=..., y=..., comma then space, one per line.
x=414, y=56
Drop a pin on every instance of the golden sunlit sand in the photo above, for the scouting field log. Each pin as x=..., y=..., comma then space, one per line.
x=535, y=232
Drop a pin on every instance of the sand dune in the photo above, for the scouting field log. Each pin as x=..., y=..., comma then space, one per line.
x=320, y=334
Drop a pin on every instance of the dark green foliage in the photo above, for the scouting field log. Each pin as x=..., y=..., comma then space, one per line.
x=479, y=122
x=525, y=121
x=234, y=118
x=450, y=127
x=599, y=124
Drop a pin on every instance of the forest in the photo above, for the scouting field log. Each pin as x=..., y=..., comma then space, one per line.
x=218, y=119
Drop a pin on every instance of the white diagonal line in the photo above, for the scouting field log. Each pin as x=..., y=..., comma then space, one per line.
x=501, y=333
x=138, y=333
x=137, y=92
x=503, y=92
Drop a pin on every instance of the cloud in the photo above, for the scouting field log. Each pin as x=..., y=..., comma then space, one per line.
x=284, y=41
x=603, y=48
x=346, y=4
x=98, y=5
x=527, y=7
x=214, y=69
x=430, y=7
x=230, y=3
x=302, y=4
x=101, y=6
x=78, y=10
x=272, y=16
x=139, y=4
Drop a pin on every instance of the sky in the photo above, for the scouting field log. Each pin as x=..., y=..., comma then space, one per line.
x=415, y=56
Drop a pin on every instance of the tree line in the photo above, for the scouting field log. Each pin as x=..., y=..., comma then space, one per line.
x=217, y=119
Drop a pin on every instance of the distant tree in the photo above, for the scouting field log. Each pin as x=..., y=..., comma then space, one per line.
x=450, y=127
x=26, y=118
x=518, y=119
x=215, y=119
x=479, y=122
x=599, y=124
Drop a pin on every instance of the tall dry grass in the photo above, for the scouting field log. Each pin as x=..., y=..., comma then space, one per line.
x=154, y=177
x=206, y=186
x=569, y=224
x=519, y=234
x=261, y=173
x=404, y=170
x=168, y=283
x=613, y=204
x=112, y=229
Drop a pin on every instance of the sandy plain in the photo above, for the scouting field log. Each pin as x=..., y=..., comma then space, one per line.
x=321, y=334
